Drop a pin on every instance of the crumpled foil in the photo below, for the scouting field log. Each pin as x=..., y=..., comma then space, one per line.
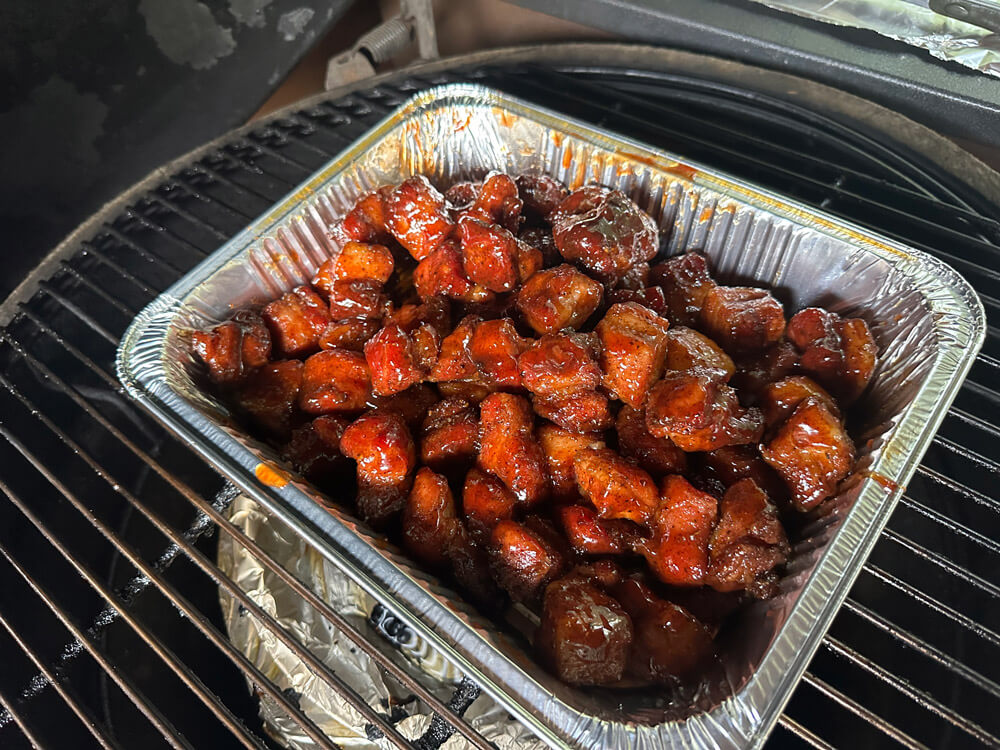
x=315, y=697
x=909, y=21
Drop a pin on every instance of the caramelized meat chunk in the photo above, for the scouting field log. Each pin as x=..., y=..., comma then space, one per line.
x=558, y=298
x=497, y=202
x=489, y=255
x=669, y=641
x=470, y=565
x=560, y=364
x=657, y=455
x=351, y=333
x=758, y=371
x=381, y=445
x=616, y=487
x=450, y=436
x=412, y=405
x=508, y=448
x=314, y=449
x=528, y=261
x=634, y=345
x=470, y=390
x=441, y=273
x=587, y=411
x=522, y=560
x=495, y=347
x=603, y=231
x=724, y=467
x=779, y=399
x=811, y=452
x=417, y=216
x=584, y=636
x=455, y=361
x=462, y=195
x=268, y=395
x=392, y=361
x=541, y=239
x=651, y=297
x=698, y=412
x=589, y=534
x=561, y=447
x=747, y=543
x=429, y=518
x=682, y=527
x=357, y=299
x=686, y=348
x=685, y=282
x=356, y=261
x=297, y=319
x=335, y=381
x=742, y=319
x=232, y=349
x=541, y=195
x=838, y=352
x=486, y=501
x=366, y=221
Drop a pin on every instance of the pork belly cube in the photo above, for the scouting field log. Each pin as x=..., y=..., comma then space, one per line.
x=779, y=399
x=232, y=349
x=508, y=448
x=698, y=412
x=634, y=344
x=450, y=436
x=351, y=333
x=686, y=282
x=839, y=353
x=497, y=202
x=756, y=372
x=541, y=195
x=686, y=348
x=669, y=642
x=489, y=254
x=584, y=636
x=335, y=381
x=470, y=567
x=558, y=298
x=430, y=522
x=417, y=216
x=413, y=404
x=724, y=467
x=455, y=361
x=540, y=238
x=391, y=359
x=657, y=455
x=314, y=449
x=471, y=390
x=366, y=221
x=748, y=542
x=522, y=560
x=603, y=231
x=462, y=195
x=636, y=278
x=495, y=347
x=587, y=411
x=486, y=501
x=356, y=261
x=811, y=452
x=435, y=312
x=441, y=273
x=269, y=394
x=677, y=552
x=652, y=297
x=357, y=299
x=742, y=319
x=615, y=486
x=560, y=364
x=297, y=319
x=382, y=446
x=561, y=447
x=589, y=534
x=528, y=260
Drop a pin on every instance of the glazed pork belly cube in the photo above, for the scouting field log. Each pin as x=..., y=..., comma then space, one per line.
x=540, y=238
x=413, y=404
x=603, y=231
x=742, y=319
x=357, y=299
x=355, y=261
x=297, y=319
x=441, y=273
x=657, y=455
x=651, y=297
x=686, y=282
x=268, y=396
x=634, y=344
x=722, y=468
x=756, y=372
x=811, y=452
x=677, y=552
x=838, y=352
x=455, y=361
x=392, y=361
x=489, y=255
x=335, y=381
x=508, y=448
x=779, y=399
x=350, y=333
x=233, y=349
x=522, y=560
x=497, y=202
x=615, y=486
x=541, y=195
x=561, y=447
x=314, y=449
x=558, y=298
x=470, y=566
x=495, y=347
x=383, y=449
x=450, y=436
x=417, y=216
x=560, y=364
x=584, y=636
x=366, y=221
x=748, y=542
x=486, y=501
x=589, y=534
x=686, y=348
x=587, y=411
x=430, y=522
x=698, y=412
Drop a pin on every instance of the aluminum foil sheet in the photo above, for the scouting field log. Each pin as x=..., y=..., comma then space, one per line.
x=909, y=21
x=927, y=321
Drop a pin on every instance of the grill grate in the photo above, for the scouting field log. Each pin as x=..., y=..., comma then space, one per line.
x=109, y=615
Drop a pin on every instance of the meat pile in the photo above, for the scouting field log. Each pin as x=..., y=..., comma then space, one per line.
x=510, y=390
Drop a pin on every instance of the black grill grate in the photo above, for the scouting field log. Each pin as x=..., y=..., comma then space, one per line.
x=109, y=619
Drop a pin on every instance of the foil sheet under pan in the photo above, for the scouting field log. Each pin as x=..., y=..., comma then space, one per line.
x=927, y=320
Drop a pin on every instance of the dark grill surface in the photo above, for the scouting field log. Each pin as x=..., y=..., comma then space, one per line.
x=109, y=619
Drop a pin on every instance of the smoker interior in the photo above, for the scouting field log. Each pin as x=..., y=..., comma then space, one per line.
x=108, y=587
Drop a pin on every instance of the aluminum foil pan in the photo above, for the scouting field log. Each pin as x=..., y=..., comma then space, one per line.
x=927, y=320
x=909, y=21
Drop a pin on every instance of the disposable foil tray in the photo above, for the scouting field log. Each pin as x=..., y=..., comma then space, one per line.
x=926, y=319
